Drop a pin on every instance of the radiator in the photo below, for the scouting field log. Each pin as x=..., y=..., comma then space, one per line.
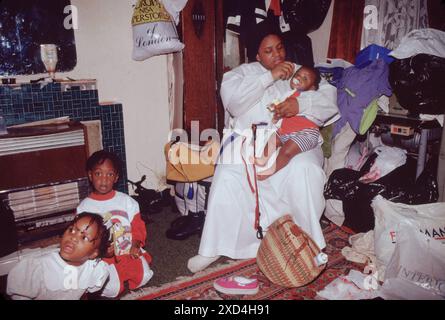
x=42, y=181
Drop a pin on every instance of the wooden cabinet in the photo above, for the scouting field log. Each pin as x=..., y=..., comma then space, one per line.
x=202, y=34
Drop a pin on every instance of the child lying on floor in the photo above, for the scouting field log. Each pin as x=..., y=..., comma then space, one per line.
x=68, y=273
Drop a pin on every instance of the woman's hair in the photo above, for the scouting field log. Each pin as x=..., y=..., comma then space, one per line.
x=100, y=157
x=103, y=234
x=257, y=35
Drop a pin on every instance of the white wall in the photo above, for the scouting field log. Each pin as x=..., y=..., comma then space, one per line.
x=104, y=46
x=320, y=37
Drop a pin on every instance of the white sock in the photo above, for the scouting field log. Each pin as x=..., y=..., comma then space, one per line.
x=198, y=262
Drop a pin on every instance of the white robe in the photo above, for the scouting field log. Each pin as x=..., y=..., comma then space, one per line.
x=296, y=189
x=49, y=277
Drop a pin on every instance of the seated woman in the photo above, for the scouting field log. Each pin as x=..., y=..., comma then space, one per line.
x=297, y=189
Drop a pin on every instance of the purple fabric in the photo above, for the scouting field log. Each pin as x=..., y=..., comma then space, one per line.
x=367, y=84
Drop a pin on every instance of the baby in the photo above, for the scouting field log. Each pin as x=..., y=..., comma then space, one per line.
x=68, y=273
x=296, y=134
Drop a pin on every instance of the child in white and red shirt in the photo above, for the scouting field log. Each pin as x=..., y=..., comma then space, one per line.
x=67, y=272
x=127, y=260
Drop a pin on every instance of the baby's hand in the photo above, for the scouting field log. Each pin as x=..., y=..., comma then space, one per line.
x=110, y=251
x=271, y=107
x=135, y=250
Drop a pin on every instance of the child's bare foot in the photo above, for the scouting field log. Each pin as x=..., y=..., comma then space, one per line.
x=261, y=162
x=263, y=175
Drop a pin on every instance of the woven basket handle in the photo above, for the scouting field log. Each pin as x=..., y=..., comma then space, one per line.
x=296, y=231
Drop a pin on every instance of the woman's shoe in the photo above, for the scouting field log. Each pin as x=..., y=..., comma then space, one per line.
x=236, y=285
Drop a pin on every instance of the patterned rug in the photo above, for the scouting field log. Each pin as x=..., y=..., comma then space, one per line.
x=200, y=286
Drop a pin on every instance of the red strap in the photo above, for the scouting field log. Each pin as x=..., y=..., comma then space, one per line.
x=245, y=167
x=275, y=6
x=254, y=190
x=257, y=206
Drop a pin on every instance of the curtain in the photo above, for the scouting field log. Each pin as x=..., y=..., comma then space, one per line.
x=436, y=14
x=395, y=18
x=347, y=19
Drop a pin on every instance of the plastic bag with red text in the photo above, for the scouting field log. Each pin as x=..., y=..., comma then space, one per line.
x=416, y=270
x=154, y=32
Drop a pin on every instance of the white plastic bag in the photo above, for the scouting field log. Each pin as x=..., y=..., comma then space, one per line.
x=427, y=41
x=350, y=287
x=174, y=7
x=417, y=267
x=388, y=159
x=332, y=63
x=154, y=32
x=428, y=219
x=359, y=152
x=357, y=155
x=192, y=196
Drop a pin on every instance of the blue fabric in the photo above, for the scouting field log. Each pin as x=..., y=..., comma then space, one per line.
x=356, y=89
x=228, y=141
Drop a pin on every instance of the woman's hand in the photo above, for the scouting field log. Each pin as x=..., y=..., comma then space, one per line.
x=135, y=250
x=283, y=71
x=288, y=108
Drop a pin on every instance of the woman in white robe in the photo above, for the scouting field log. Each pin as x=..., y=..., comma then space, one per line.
x=297, y=189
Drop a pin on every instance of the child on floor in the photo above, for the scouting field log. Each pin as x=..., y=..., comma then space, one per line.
x=71, y=271
x=127, y=260
x=296, y=134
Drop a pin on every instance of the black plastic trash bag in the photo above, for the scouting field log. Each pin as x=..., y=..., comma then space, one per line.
x=418, y=83
x=305, y=16
x=424, y=190
x=343, y=183
x=400, y=185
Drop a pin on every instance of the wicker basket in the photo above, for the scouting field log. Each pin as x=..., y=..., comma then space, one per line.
x=287, y=254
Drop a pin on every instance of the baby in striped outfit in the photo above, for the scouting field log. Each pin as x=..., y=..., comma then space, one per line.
x=297, y=134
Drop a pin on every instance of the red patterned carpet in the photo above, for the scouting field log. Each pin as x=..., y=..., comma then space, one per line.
x=200, y=286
